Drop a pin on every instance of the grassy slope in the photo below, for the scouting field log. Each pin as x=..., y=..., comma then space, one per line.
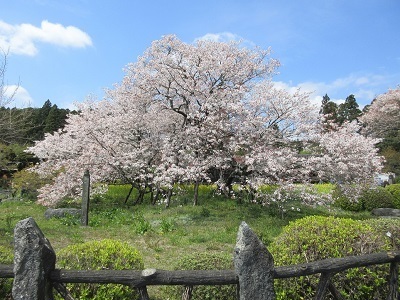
x=161, y=235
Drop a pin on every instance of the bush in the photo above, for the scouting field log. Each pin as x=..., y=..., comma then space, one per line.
x=316, y=237
x=204, y=261
x=345, y=199
x=356, y=199
x=290, y=197
x=376, y=197
x=6, y=257
x=98, y=255
x=394, y=189
x=27, y=183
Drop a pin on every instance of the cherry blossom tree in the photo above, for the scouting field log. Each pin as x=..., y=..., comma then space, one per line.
x=203, y=84
x=112, y=140
x=382, y=119
x=346, y=156
x=383, y=115
x=192, y=113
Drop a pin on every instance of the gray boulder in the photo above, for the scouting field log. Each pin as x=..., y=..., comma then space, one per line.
x=386, y=212
x=61, y=212
x=254, y=266
x=34, y=259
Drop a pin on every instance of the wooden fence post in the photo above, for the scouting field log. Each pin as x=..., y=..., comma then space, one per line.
x=34, y=259
x=85, y=198
x=393, y=281
x=323, y=285
x=254, y=266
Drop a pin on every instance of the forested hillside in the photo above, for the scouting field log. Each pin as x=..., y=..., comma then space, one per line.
x=19, y=128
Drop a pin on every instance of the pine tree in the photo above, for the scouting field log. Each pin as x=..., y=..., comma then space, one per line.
x=349, y=111
x=53, y=120
x=329, y=111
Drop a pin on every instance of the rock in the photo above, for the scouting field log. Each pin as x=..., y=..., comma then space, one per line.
x=34, y=259
x=61, y=212
x=254, y=266
x=386, y=212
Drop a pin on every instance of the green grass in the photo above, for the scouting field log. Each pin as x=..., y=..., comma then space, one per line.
x=324, y=188
x=161, y=235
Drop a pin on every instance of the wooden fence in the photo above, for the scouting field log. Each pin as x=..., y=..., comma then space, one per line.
x=35, y=275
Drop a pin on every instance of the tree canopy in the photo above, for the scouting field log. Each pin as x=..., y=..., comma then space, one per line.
x=348, y=111
x=382, y=117
x=382, y=120
x=203, y=112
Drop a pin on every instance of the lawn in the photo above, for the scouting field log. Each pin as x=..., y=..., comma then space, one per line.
x=162, y=235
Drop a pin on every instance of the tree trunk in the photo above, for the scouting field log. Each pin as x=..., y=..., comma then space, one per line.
x=196, y=193
x=140, y=196
x=169, y=195
x=129, y=194
x=152, y=195
x=156, y=197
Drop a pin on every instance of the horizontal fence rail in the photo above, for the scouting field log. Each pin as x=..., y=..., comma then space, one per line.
x=209, y=277
x=147, y=277
x=6, y=271
x=336, y=265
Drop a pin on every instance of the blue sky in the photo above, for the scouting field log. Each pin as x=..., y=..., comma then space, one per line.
x=65, y=50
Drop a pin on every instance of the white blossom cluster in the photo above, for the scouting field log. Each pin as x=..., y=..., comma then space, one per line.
x=383, y=115
x=204, y=112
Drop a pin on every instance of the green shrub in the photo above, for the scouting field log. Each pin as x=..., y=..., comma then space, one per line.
x=346, y=200
x=204, y=261
x=27, y=183
x=98, y=255
x=388, y=232
x=356, y=199
x=376, y=197
x=394, y=189
x=316, y=237
x=6, y=258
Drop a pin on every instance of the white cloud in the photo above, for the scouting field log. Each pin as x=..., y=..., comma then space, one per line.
x=365, y=87
x=309, y=87
x=22, y=39
x=225, y=37
x=220, y=37
x=16, y=96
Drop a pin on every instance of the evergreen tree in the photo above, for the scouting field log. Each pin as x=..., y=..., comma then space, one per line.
x=392, y=160
x=47, y=119
x=53, y=120
x=40, y=117
x=329, y=111
x=44, y=112
x=348, y=111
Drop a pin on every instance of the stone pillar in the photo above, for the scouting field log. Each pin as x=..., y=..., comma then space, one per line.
x=254, y=266
x=85, y=198
x=391, y=179
x=34, y=259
